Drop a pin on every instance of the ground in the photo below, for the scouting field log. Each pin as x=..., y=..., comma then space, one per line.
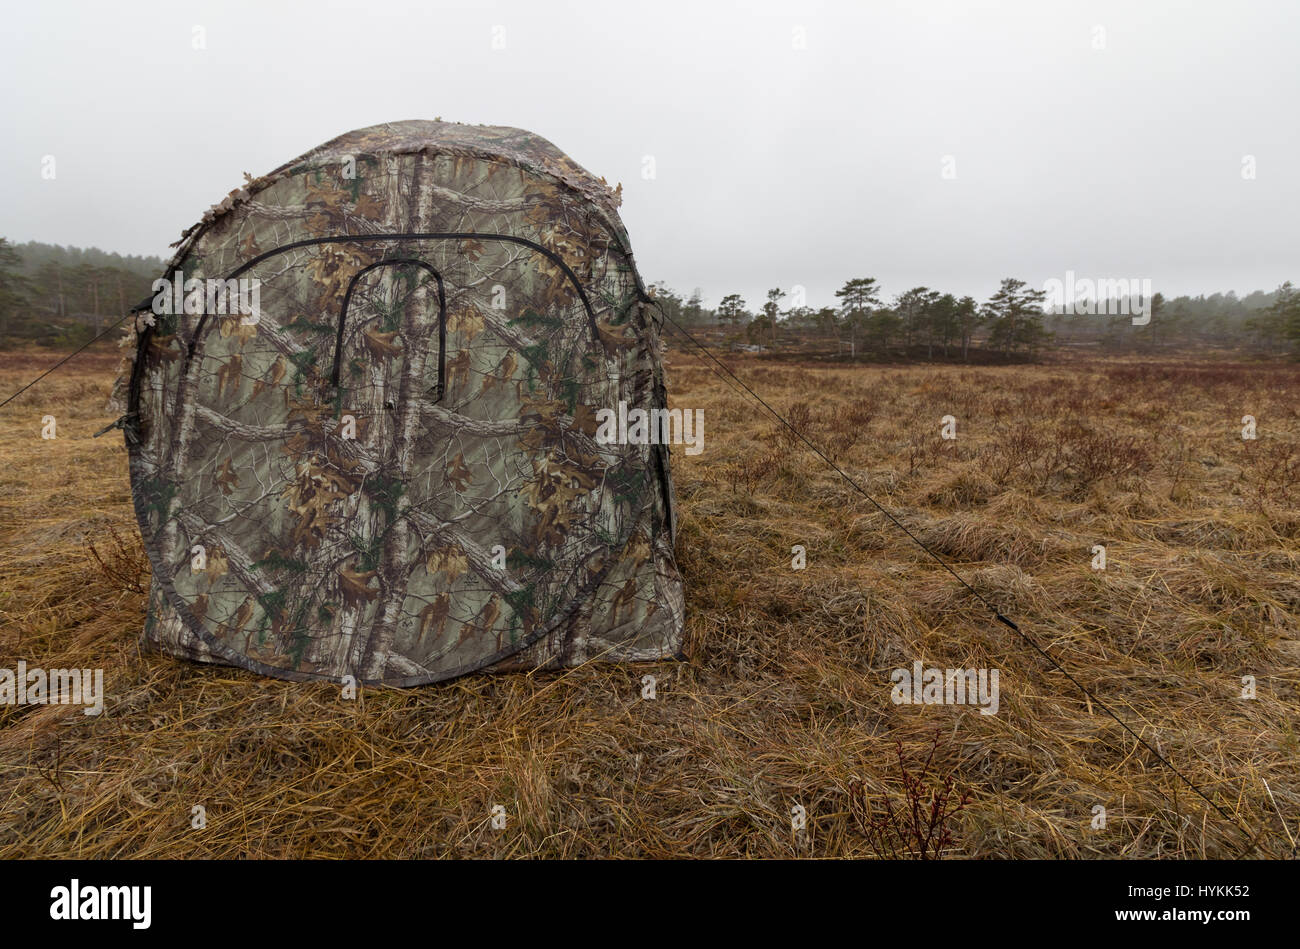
x=782, y=715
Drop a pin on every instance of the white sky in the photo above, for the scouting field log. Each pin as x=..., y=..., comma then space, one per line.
x=775, y=166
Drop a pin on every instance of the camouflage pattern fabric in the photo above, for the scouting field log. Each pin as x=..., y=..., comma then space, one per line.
x=444, y=507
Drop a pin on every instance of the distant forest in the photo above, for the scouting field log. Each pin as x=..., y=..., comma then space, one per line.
x=1014, y=323
x=65, y=296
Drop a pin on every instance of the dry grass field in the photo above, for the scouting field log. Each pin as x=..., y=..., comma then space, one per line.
x=785, y=699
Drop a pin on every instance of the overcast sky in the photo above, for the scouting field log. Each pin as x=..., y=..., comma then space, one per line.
x=792, y=143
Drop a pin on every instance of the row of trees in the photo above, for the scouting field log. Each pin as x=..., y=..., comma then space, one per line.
x=921, y=317
x=935, y=320
x=1013, y=321
x=1278, y=324
x=66, y=295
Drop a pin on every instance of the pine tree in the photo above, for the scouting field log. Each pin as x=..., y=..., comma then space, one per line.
x=859, y=295
x=1017, y=316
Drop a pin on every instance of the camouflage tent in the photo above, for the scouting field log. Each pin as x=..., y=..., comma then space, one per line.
x=389, y=468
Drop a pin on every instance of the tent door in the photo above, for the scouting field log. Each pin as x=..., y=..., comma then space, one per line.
x=388, y=306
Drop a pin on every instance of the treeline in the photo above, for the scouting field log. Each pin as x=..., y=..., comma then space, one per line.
x=1015, y=322
x=1265, y=322
x=65, y=296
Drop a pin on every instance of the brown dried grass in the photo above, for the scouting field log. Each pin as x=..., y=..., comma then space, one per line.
x=785, y=700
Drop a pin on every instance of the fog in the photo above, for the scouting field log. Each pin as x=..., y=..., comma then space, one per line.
x=758, y=145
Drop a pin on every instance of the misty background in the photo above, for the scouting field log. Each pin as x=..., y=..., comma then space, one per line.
x=791, y=143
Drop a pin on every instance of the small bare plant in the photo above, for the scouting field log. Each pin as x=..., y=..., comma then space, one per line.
x=923, y=449
x=854, y=419
x=1176, y=463
x=801, y=420
x=1275, y=470
x=918, y=827
x=1016, y=450
x=750, y=472
x=1095, y=455
x=122, y=562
